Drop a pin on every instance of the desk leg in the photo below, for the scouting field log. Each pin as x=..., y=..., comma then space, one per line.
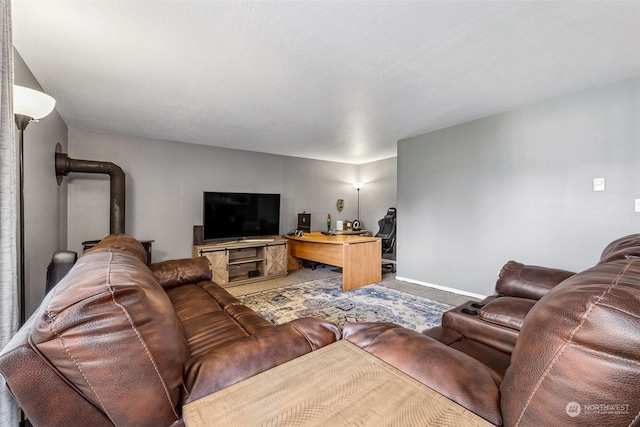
x=362, y=264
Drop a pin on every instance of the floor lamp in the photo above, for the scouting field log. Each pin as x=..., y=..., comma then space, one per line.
x=28, y=106
x=358, y=186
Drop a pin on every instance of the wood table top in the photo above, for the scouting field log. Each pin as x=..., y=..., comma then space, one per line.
x=338, y=239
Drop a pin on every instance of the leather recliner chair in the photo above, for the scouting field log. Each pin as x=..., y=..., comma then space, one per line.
x=570, y=358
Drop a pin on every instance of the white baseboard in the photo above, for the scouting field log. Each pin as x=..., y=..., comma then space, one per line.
x=442, y=288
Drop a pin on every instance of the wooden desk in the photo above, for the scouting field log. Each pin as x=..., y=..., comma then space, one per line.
x=359, y=257
x=350, y=232
x=337, y=385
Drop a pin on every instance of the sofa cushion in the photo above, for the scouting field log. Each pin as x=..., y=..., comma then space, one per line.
x=578, y=349
x=211, y=316
x=111, y=332
x=496, y=360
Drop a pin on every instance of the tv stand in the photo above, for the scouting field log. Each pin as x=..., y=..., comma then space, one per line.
x=245, y=261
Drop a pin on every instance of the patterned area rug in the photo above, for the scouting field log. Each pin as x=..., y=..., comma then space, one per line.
x=325, y=299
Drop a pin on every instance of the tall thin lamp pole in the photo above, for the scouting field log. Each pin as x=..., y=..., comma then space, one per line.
x=358, y=186
x=28, y=106
x=22, y=122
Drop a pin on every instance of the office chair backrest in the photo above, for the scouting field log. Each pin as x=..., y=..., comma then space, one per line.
x=387, y=231
x=392, y=213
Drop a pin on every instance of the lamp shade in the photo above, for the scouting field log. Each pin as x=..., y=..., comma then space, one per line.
x=32, y=103
x=358, y=185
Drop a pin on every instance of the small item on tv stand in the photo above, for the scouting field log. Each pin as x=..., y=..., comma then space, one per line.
x=329, y=222
x=254, y=273
x=198, y=235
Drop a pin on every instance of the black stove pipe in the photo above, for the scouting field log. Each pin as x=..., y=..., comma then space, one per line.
x=64, y=165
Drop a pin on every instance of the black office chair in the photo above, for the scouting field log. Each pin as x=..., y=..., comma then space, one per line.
x=387, y=231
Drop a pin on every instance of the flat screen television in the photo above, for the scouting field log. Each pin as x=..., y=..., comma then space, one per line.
x=240, y=215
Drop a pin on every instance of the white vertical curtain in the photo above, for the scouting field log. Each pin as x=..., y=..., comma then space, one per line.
x=8, y=208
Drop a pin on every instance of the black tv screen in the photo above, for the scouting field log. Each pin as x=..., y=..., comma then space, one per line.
x=238, y=215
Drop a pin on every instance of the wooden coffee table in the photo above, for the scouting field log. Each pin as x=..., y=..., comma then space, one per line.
x=337, y=385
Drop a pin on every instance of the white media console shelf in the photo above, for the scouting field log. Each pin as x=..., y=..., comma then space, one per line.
x=244, y=261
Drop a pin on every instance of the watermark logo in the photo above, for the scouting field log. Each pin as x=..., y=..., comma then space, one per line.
x=573, y=409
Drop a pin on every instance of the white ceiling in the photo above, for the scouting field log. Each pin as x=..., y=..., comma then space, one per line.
x=340, y=81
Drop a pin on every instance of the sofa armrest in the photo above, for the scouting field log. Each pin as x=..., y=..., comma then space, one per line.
x=446, y=336
x=178, y=272
x=528, y=281
x=473, y=327
x=451, y=373
x=240, y=359
x=507, y=311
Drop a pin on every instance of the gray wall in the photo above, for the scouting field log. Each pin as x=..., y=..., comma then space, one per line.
x=45, y=203
x=518, y=185
x=165, y=181
x=379, y=192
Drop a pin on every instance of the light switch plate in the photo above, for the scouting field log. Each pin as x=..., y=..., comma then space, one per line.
x=637, y=205
x=598, y=184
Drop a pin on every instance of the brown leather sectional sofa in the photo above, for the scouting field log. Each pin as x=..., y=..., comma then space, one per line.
x=120, y=343
x=551, y=348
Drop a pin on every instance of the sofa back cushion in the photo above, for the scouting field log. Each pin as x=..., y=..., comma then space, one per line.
x=120, y=243
x=577, y=360
x=109, y=329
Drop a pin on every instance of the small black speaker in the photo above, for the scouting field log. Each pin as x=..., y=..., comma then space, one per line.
x=254, y=273
x=304, y=222
x=198, y=235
